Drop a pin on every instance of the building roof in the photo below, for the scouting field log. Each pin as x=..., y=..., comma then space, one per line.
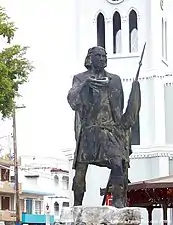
x=153, y=192
x=58, y=170
x=161, y=182
x=149, y=193
x=156, y=183
x=37, y=192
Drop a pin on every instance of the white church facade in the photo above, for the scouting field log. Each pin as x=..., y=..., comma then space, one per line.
x=122, y=27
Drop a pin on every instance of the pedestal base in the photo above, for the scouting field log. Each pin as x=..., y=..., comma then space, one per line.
x=107, y=215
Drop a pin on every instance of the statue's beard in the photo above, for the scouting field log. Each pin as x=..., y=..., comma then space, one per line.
x=100, y=67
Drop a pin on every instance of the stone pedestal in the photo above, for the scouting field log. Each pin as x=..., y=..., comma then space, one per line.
x=107, y=215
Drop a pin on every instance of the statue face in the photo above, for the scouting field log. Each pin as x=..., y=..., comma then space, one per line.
x=99, y=58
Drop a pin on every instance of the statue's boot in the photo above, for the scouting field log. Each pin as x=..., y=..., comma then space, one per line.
x=78, y=197
x=118, y=196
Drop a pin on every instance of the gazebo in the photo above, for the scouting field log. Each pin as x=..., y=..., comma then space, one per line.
x=149, y=194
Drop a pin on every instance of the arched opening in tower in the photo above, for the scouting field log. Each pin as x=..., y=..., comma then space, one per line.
x=117, y=44
x=101, y=30
x=133, y=32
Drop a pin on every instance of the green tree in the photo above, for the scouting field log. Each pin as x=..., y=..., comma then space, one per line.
x=14, y=67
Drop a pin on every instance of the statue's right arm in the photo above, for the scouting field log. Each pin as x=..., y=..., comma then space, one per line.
x=74, y=94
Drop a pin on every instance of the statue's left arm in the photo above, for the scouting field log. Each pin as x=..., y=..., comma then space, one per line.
x=133, y=106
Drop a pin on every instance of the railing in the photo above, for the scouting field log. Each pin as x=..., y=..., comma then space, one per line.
x=9, y=187
x=7, y=215
x=8, y=159
x=35, y=218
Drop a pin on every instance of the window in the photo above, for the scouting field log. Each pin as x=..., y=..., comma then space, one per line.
x=65, y=182
x=37, y=207
x=5, y=174
x=56, y=180
x=65, y=204
x=5, y=203
x=133, y=32
x=56, y=209
x=12, y=178
x=117, y=33
x=29, y=206
x=100, y=30
x=164, y=39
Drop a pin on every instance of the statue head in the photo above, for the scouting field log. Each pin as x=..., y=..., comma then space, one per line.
x=96, y=58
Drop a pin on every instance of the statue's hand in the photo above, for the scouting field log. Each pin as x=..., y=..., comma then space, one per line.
x=135, y=82
x=87, y=82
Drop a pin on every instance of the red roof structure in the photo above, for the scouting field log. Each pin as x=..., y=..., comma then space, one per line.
x=150, y=194
x=153, y=183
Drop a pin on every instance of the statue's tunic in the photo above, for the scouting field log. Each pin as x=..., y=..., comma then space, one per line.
x=99, y=140
x=100, y=125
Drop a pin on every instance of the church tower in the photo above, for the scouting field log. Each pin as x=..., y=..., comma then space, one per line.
x=122, y=27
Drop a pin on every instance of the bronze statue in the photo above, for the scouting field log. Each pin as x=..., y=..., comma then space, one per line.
x=101, y=128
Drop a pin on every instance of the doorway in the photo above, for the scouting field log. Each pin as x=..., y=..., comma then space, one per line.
x=5, y=203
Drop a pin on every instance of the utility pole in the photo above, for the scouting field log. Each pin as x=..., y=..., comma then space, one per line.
x=16, y=165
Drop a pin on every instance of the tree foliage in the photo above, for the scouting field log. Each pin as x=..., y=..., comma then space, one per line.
x=14, y=67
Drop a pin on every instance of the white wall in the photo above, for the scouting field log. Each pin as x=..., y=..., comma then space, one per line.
x=42, y=167
x=37, y=184
x=168, y=113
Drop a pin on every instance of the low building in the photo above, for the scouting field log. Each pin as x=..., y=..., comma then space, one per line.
x=33, y=209
x=61, y=189
x=42, y=175
x=7, y=191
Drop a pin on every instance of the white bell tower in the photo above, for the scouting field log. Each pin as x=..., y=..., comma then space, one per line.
x=122, y=27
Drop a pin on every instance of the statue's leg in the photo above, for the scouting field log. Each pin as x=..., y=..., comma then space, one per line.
x=79, y=184
x=117, y=181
